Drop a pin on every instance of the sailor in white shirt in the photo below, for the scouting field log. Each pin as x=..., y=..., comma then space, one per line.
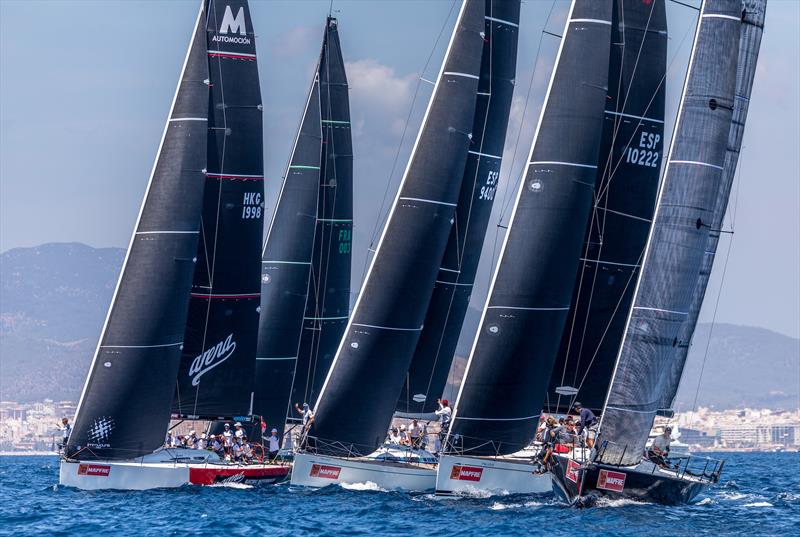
x=65, y=429
x=227, y=438
x=394, y=437
x=308, y=415
x=273, y=444
x=239, y=431
x=659, y=449
x=444, y=413
x=201, y=444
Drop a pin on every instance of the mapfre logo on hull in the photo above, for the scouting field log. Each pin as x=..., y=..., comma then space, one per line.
x=573, y=471
x=466, y=473
x=324, y=471
x=211, y=358
x=613, y=481
x=99, y=470
x=232, y=25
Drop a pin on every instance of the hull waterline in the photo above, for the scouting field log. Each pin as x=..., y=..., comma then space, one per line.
x=318, y=471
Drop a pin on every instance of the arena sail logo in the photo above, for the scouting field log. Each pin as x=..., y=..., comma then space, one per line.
x=325, y=472
x=211, y=358
x=613, y=481
x=466, y=473
x=232, y=25
x=99, y=470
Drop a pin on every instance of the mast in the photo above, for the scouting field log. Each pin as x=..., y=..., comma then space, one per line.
x=427, y=376
x=218, y=360
x=678, y=237
x=124, y=408
x=501, y=395
x=328, y=302
x=306, y=262
x=357, y=400
x=753, y=14
x=631, y=153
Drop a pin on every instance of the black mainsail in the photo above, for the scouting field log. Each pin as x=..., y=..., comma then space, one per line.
x=631, y=153
x=218, y=360
x=749, y=45
x=512, y=356
x=427, y=376
x=124, y=408
x=678, y=238
x=306, y=260
x=357, y=400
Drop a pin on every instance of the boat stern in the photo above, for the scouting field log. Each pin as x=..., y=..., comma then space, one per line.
x=489, y=476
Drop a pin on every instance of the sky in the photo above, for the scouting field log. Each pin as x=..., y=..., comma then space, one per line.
x=85, y=88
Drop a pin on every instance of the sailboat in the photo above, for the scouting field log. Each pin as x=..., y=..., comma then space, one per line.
x=427, y=376
x=180, y=333
x=306, y=262
x=498, y=404
x=355, y=405
x=692, y=200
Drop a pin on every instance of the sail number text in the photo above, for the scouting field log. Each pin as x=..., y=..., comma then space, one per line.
x=489, y=189
x=644, y=155
x=251, y=207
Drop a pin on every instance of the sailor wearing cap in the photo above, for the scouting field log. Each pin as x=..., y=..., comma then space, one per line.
x=308, y=415
x=227, y=437
x=273, y=444
x=239, y=431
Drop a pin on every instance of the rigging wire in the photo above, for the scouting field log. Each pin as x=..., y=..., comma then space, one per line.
x=381, y=216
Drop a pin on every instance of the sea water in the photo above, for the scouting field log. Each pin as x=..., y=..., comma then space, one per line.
x=759, y=494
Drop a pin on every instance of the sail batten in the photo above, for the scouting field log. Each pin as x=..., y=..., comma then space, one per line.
x=218, y=361
x=360, y=392
x=752, y=29
x=427, y=375
x=678, y=237
x=305, y=305
x=529, y=295
x=124, y=407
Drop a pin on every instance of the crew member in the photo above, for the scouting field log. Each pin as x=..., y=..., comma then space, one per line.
x=587, y=426
x=274, y=445
x=65, y=429
x=659, y=449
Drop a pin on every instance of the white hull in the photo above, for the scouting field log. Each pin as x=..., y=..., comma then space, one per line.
x=481, y=476
x=168, y=468
x=319, y=471
x=98, y=475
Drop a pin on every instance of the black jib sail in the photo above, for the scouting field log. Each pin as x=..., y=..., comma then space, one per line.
x=427, y=375
x=124, y=409
x=357, y=400
x=512, y=357
x=749, y=45
x=631, y=153
x=306, y=261
x=218, y=360
x=678, y=237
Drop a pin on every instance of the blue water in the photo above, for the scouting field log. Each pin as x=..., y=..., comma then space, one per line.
x=759, y=495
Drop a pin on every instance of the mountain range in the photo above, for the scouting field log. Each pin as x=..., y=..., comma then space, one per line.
x=54, y=298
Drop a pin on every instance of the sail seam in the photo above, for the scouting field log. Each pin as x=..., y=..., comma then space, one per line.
x=141, y=346
x=661, y=310
x=593, y=167
x=387, y=327
x=429, y=201
x=526, y=308
x=598, y=21
x=466, y=75
x=501, y=21
x=696, y=163
x=644, y=118
x=484, y=155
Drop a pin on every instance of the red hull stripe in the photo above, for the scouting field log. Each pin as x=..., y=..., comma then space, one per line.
x=210, y=475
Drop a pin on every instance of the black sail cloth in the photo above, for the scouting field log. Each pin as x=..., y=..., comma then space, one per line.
x=631, y=153
x=509, y=368
x=427, y=376
x=749, y=45
x=218, y=360
x=306, y=262
x=124, y=409
x=679, y=235
x=328, y=302
x=358, y=398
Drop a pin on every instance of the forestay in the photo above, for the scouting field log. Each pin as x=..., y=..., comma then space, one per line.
x=218, y=360
x=631, y=154
x=678, y=238
x=358, y=397
x=427, y=376
x=124, y=408
x=512, y=356
x=749, y=43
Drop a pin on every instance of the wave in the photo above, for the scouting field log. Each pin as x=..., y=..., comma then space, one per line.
x=367, y=485
x=758, y=504
x=231, y=485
